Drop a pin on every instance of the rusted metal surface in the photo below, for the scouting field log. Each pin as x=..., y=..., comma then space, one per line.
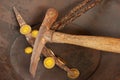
x=46, y=52
x=86, y=60
x=103, y=20
x=76, y=12
x=40, y=41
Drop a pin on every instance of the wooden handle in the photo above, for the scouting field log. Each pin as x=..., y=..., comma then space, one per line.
x=94, y=42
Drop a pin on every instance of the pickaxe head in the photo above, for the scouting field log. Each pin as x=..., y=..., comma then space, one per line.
x=50, y=17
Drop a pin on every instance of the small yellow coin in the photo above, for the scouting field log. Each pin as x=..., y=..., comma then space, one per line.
x=34, y=33
x=49, y=62
x=73, y=73
x=25, y=29
x=28, y=50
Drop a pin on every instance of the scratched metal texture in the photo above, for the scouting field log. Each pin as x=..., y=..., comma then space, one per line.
x=103, y=20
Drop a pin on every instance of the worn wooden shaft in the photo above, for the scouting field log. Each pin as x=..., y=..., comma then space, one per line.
x=94, y=42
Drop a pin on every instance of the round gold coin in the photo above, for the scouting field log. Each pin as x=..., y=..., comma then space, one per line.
x=28, y=50
x=49, y=62
x=25, y=29
x=34, y=33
